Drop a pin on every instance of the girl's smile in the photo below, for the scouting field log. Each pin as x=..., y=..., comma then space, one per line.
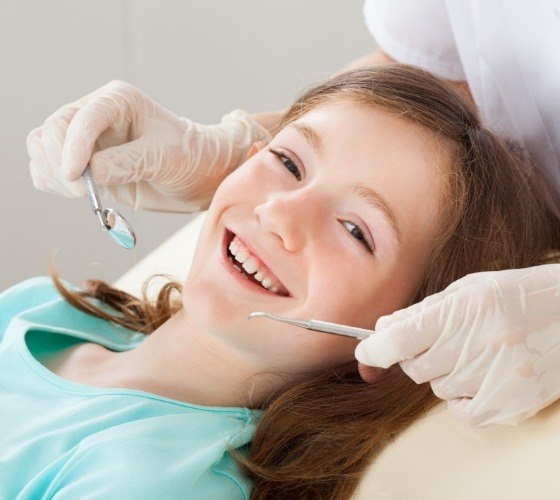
x=248, y=268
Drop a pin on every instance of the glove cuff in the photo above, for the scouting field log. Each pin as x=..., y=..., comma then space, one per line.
x=256, y=131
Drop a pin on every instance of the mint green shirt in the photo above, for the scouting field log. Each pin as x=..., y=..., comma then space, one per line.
x=64, y=440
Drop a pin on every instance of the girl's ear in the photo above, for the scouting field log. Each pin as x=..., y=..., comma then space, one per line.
x=255, y=148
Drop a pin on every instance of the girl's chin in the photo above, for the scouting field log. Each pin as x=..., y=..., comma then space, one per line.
x=210, y=306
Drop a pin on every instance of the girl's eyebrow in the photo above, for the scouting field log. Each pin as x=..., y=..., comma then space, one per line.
x=311, y=136
x=375, y=200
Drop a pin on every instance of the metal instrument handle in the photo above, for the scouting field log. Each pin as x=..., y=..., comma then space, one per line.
x=94, y=198
x=347, y=331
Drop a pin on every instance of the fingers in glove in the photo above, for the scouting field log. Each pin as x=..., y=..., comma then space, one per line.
x=465, y=410
x=124, y=164
x=46, y=176
x=88, y=124
x=32, y=138
x=417, y=308
x=449, y=387
x=402, y=340
x=54, y=137
x=459, y=408
x=435, y=363
x=36, y=177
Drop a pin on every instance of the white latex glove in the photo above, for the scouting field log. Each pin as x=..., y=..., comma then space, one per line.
x=489, y=344
x=143, y=155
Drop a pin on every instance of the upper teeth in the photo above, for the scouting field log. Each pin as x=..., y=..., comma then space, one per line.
x=241, y=256
x=252, y=264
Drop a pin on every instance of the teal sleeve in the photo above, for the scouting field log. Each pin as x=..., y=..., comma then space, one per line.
x=144, y=469
x=23, y=296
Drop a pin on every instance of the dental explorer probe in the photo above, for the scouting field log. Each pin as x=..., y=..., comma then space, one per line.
x=318, y=326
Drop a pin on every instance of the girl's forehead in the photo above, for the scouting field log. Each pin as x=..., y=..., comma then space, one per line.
x=362, y=131
x=347, y=119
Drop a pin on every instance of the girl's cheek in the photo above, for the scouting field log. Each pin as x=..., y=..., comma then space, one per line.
x=258, y=174
x=234, y=185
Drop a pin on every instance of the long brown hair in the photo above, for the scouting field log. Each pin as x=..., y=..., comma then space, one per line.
x=317, y=437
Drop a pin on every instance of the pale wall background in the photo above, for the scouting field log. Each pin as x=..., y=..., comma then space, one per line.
x=200, y=59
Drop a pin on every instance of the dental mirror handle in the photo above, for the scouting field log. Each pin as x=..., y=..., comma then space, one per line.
x=94, y=197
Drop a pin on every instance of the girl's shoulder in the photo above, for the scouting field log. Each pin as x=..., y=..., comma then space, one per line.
x=37, y=285
x=23, y=296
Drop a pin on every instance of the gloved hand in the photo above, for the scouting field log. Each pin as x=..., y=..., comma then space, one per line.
x=489, y=344
x=143, y=155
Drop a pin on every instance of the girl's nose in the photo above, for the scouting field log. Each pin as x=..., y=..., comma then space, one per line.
x=291, y=216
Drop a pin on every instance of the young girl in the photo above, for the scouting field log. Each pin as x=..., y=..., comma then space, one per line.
x=381, y=187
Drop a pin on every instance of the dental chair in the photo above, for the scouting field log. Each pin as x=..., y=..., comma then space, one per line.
x=437, y=457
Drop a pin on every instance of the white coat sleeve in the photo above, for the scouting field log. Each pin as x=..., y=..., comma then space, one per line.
x=416, y=32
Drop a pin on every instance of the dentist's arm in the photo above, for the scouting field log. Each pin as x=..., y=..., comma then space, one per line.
x=140, y=153
x=489, y=344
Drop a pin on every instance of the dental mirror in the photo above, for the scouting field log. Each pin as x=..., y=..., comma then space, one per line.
x=111, y=221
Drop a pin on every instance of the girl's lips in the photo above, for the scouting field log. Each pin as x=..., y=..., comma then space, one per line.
x=240, y=278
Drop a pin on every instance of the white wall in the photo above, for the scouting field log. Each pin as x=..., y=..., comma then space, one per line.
x=199, y=58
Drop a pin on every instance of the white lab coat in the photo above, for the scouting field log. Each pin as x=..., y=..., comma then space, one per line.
x=507, y=50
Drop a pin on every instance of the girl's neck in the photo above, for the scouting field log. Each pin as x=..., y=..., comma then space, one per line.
x=178, y=362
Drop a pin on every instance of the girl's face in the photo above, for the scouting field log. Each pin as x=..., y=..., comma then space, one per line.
x=338, y=213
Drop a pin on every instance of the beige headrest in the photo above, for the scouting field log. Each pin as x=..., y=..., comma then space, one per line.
x=439, y=457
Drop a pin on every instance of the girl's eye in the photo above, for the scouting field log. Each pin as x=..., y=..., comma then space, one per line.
x=358, y=234
x=288, y=163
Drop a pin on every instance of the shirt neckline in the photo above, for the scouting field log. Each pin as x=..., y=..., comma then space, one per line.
x=72, y=387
